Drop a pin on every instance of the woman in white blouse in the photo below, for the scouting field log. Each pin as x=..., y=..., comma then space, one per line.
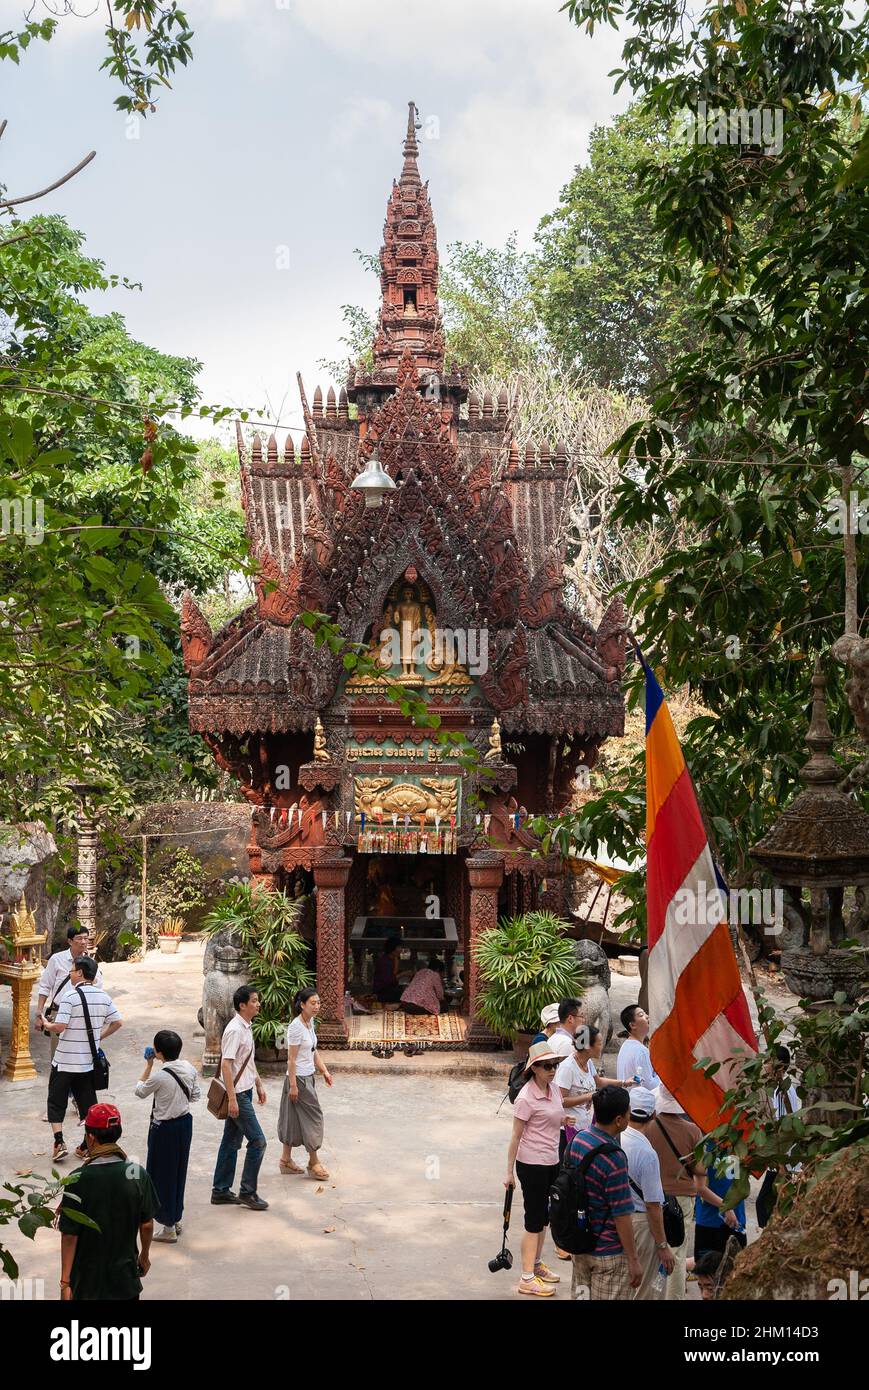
x=172, y=1088
x=300, y=1121
x=579, y=1078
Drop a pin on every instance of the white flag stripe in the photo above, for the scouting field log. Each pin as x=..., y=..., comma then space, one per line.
x=680, y=940
x=723, y=1044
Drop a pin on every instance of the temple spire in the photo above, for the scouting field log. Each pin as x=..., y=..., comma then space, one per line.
x=409, y=312
x=410, y=171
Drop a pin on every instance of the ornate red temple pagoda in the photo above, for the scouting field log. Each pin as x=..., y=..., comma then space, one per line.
x=349, y=797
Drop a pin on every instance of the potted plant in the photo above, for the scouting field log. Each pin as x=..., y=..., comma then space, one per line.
x=526, y=962
x=275, y=955
x=169, y=935
x=178, y=890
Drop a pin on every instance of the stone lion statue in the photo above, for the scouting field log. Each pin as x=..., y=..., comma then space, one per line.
x=223, y=968
x=595, y=1000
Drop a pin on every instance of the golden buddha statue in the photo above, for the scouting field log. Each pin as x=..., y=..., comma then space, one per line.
x=321, y=752
x=494, y=753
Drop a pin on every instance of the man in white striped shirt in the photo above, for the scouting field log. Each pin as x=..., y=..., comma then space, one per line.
x=73, y=1066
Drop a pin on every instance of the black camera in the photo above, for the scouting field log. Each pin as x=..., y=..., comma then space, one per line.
x=504, y=1257
x=503, y=1260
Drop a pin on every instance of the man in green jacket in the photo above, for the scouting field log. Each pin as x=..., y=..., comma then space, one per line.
x=119, y=1197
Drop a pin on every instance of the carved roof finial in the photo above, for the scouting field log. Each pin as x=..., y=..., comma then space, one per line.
x=821, y=767
x=410, y=172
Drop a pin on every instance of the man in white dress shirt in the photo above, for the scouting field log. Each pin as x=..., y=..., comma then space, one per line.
x=569, y=1018
x=54, y=979
x=240, y=1077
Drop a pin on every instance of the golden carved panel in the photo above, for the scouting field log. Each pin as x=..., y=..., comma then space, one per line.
x=385, y=796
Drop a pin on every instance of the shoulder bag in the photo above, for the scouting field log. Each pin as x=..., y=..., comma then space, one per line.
x=674, y=1221
x=672, y=1210
x=217, y=1099
x=101, y=1061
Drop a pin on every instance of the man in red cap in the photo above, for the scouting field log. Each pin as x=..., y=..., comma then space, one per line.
x=106, y=1260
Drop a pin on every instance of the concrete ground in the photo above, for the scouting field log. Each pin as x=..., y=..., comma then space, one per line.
x=413, y=1206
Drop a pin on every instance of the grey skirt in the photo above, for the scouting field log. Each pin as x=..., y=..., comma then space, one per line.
x=302, y=1122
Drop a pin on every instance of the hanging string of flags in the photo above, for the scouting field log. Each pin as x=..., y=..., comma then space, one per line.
x=404, y=836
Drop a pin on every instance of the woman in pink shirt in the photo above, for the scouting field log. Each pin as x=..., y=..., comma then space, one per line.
x=425, y=993
x=538, y=1114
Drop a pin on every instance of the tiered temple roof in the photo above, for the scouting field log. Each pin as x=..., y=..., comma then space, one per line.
x=484, y=525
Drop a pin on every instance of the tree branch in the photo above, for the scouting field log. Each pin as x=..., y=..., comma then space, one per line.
x=30, y=197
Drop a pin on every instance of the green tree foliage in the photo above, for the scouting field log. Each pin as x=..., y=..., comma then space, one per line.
x=146, y=42
x=596, y=274
x=490, y=320
x=747, y=437
x=31, y=1202
x=96, y=533
x=827, y=1049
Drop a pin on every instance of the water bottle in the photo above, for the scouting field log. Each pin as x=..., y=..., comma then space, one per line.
x=580, y=1219
x=659, y=1283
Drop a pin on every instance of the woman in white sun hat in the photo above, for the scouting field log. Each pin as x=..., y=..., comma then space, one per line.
x=538, y=1113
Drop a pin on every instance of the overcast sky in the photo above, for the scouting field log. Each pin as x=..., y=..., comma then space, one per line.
x=239, y=204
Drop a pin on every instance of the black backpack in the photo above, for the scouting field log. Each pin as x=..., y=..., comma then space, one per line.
x=569, y=1216
x=516, y=1080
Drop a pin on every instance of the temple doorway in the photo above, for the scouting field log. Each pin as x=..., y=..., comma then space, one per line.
x=401, y=926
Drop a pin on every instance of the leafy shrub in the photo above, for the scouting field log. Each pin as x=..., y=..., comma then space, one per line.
x=526, y=963
x=275, y=955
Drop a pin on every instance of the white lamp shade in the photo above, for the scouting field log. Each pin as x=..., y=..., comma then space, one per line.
x=373, y=482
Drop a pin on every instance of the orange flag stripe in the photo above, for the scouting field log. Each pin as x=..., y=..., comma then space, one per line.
x=664, y=765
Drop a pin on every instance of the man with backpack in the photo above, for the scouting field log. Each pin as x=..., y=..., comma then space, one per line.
x=599, y=1205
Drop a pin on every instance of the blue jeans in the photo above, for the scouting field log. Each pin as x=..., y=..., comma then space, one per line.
x=248, y=1127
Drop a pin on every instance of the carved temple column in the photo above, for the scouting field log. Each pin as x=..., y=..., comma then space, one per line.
x=551, y=893
x=88, y=842
x=485, y=875
x=262, y=878
x=330, y=876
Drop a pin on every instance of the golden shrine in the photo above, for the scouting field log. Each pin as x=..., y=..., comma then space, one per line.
x=20, y=973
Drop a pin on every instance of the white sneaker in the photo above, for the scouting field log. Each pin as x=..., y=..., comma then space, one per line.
x=166, y=1234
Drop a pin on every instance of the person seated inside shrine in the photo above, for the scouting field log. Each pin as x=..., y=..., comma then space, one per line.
x=425, y=993
x=385, y=983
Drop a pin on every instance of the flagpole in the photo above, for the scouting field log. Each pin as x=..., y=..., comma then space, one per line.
x=755, y=987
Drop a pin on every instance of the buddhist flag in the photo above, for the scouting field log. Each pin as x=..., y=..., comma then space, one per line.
x=697, y=1008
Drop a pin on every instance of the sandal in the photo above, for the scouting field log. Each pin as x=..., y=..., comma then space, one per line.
x=317, y=1171
x=287, y=1165
x=410, y=1050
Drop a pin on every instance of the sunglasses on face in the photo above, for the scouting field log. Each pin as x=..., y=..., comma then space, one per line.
x=547, y=1066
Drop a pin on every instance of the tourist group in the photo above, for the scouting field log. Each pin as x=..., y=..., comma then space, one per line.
x=128, y=1207
x=610, y=1164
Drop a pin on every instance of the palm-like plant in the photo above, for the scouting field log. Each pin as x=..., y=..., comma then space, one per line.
x=526, y=962
x=274, y=953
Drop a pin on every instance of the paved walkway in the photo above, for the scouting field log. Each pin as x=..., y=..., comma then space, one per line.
x=413, y=1206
